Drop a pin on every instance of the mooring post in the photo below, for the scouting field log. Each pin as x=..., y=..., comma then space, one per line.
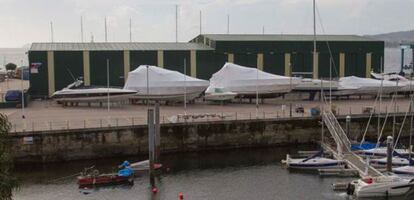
x=151, y=133
x=157, y=132
x=347, y=126
x=389, y=153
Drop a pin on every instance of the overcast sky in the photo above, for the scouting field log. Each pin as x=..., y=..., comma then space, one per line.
x=26, y=21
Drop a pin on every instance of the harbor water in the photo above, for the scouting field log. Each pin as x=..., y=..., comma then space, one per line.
x=231, y=174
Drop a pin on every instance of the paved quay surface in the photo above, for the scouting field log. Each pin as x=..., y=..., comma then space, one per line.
x=47, y=115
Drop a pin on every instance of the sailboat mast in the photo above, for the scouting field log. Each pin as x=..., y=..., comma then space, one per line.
x=314, y=37
x=411, y=121
x=380, y=102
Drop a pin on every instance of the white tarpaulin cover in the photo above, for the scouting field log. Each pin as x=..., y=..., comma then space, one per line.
x=243, y=80
x=368, y=85
x=354, y=81
x=163, y=82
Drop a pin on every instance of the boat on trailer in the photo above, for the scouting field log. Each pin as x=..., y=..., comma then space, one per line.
x=219, y=94
x=75, y=92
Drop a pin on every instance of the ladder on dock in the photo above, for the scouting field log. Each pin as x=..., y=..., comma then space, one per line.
x=343, y=146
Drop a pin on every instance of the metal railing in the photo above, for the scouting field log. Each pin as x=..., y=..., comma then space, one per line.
x=28, y=125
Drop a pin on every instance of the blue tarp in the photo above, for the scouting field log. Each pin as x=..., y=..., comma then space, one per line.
x=127, y=172
x=363, y=146
x=13, y=95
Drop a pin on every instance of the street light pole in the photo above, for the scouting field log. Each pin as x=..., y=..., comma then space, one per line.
x=107, y=89
x=185, y=87
x=257, y=94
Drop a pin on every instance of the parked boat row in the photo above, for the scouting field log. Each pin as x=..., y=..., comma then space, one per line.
x=231, y=81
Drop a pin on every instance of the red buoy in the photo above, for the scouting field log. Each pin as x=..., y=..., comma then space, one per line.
x=154, y=190
x=181, y=196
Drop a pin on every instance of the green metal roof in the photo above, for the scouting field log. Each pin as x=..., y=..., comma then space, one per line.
x=287, y=37
x=118, y=46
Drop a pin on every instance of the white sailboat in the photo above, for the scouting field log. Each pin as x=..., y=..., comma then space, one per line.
x=396, y=162
x=313, y=163
x=407, y=170
x=382, y=186
x=316, y=161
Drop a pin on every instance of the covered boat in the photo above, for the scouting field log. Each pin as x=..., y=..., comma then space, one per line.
x=247, y=81
x=404, y=83
x=164, y=85
x=353, y=85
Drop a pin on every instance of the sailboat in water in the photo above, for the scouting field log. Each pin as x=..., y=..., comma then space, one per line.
x=316, y=161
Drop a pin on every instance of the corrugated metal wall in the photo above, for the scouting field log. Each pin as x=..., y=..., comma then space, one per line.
x=324, y=65
x=274, y=63
x=67, y=63
x=138, y=58
x=174, y=60
x=246, y=59
x=39, y=81
x=208, y=63
x=98, y=68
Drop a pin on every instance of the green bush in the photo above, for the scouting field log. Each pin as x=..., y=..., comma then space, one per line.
x=7, y=181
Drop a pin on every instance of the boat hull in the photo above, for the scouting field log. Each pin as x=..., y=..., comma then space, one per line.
x=381, y=189
x=314, y=163
x=104, y=179
x=167, y=97
x=409, y=170
x=219, y=97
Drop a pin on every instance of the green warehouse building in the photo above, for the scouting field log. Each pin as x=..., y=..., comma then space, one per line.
x=53, y=65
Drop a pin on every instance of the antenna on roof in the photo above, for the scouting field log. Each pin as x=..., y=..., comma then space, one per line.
x=51, y=31
x=228, y=24
x=81, y=24
x=263, y=30
x=200, y=22
x=130, y=30
x=176, y=23
x=106, y=32
x=91, y=37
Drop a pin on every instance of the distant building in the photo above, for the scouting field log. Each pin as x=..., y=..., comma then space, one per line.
x=52, y=65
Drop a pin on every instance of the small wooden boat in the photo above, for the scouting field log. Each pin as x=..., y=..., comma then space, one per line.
x=90, y=177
